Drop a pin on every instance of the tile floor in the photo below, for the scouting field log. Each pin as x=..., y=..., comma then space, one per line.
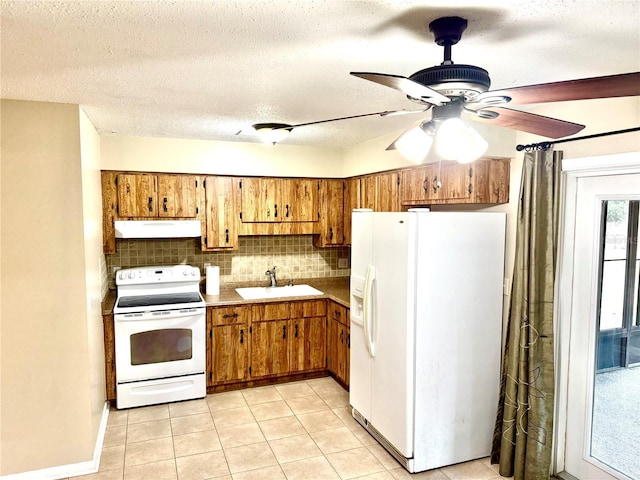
x=293, y=431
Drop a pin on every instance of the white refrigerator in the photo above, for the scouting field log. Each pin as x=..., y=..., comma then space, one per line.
x=426, y=321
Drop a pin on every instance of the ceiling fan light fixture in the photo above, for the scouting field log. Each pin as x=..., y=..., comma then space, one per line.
x=457, y=141
x=272, y=132
x=416, y=142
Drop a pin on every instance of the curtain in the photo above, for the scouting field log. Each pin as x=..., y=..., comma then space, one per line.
x=523, y=431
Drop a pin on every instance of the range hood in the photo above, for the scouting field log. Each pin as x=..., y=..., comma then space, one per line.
x=157, y=228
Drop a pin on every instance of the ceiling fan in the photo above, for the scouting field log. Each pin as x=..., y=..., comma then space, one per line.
x=450, y=89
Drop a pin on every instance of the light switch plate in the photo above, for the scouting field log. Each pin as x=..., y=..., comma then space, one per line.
x=343, y=263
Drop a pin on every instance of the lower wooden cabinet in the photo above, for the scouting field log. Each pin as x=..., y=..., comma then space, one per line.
x=308, y=336
x=227, y=352
x=274, y=339
x=269, y=348
x=339, y=340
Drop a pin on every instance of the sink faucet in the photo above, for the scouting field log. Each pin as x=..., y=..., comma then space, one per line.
x=272, y=276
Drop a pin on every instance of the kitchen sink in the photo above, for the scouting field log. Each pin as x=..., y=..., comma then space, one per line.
x=255, y=293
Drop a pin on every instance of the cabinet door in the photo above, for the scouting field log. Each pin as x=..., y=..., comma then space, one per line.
x=229, y=353
x=368, y=192
x=308, y=337
x=456, y=181
x=177, y=196
x=299, y=200
x=388, y=192
x=269, y=348
x=260, y=198
x=222, y=212
x=419, y=184
x=351, y=201
x=308, y=344
x=331, y=213
x=137, y=195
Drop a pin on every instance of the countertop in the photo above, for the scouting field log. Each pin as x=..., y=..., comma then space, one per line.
x=336, y=289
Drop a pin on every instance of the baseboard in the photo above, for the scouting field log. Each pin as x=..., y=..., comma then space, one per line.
x=73, y=469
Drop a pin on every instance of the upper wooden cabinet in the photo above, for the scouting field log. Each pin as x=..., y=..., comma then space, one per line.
x=279, y=200
x=221, y=213
x=330, y=230
x=483, y=181
x=146, y=195
x=381, y=192
x=351, y=200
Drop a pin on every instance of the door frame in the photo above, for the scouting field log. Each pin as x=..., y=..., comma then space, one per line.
x=572, y=170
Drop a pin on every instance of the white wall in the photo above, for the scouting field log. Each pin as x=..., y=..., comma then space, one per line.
x=45, y=373
x=95, y=264
x=221, y=158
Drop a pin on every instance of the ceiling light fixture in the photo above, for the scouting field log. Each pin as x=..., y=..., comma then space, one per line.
x=272, y=132
x=452, y=138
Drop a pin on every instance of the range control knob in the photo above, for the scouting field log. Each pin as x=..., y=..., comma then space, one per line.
x=122, y=275
x=193, y=272
x=131, y=274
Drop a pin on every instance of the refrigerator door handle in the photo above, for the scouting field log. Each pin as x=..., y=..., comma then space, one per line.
x=367, y=308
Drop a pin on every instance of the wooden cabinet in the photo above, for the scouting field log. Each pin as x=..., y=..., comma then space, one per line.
x=381, y=192
x=351, y=200
x=269, y=339
x=330, y=230
x=437, y=183
x=147, y=195
x=308, y=337
x=279, y=200
x=288, y=338
x=221, y=220
x=339, y=341
x=109, y=356
x=483, y=181
x=228, y=352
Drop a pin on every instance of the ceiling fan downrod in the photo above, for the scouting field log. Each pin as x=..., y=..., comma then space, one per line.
x=447, y=32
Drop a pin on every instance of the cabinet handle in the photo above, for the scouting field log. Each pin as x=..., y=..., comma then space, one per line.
x=341, y=336
x=330, y=233
x=164, y=204
x=470, y=189
x=287, y=214
x=230, y=315
x=284, y=332
x=241, y=336
x=425, y=185
x=336, y=313
x=436, y=184
x=275, y=211
x=296, y=334
x=226, y=235
x=268, y=212
x=348, y=340
x=150, y=205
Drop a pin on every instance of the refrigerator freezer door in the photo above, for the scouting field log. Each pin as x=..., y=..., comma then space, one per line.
x=360, y=361
x=392, y=329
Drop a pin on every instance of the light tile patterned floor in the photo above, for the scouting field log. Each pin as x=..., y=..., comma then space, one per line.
x=293, y=431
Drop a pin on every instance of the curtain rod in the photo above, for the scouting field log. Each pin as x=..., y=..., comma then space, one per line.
x=547, y=145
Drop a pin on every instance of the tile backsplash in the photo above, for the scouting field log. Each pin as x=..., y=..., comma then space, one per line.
x=294, y=256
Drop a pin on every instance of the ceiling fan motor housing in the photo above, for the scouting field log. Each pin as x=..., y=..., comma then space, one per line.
x=453, y=80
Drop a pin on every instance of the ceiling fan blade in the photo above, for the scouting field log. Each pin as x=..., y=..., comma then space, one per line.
x=623, y=85
x=386, y=113
x=530, y=122
x=406, y=86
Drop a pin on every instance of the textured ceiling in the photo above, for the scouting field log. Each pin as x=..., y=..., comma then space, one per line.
x=207, y=70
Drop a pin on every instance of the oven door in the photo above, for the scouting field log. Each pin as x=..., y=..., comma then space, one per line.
x=160, y=344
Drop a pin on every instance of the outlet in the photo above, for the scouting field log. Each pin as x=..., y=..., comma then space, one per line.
x=343, y=263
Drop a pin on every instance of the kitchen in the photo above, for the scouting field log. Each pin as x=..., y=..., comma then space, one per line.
x=61, y=364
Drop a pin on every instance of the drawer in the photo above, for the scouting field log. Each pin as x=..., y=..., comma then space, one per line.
x=339, y=313
x=228, y=315
x=309, y=308
x=270, y=311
